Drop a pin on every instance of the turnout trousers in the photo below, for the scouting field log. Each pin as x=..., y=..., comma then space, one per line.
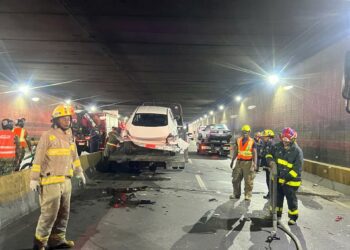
x=290, y=193
x=55, y=206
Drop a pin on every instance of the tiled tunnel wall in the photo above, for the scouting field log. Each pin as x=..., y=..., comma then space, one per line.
x=37, y=114
x=314, y=107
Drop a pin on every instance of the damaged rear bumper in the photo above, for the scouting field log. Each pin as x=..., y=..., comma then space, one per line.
x=130, y=152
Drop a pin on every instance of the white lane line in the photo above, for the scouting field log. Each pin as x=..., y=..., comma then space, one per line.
x=201, y=182
x=189, y=161
x=341, y=204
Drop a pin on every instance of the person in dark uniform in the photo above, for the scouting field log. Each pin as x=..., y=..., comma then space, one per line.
x=266, y=147
x=287, y=156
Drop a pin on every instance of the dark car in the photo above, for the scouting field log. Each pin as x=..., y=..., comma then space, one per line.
x=215, y=132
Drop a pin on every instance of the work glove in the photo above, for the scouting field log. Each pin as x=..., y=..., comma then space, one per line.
x=81, y=177
x=34, y=185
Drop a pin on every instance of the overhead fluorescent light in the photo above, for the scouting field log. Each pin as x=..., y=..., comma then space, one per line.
x=251, y=107
x=288, y=87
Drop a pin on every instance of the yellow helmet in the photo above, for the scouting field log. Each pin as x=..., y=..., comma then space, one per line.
x=62, y=110
x=268, y=133
x=246, y=128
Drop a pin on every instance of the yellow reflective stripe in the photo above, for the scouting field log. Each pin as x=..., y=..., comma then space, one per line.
x=268, y=156
x=278, y=209
x=36, y=168
x=58, y=151
x=245, y=153
x=52, y=180
x=76, y=163
x=52, y=137
x=115, y=145
x=70, y=172
x=21, y=138
x=42, y=239
x=284, y=163
x=295, y=212
x=294, y=183
x=290, y=183
x=293, y=173
x=72, y=147
x=58, y=236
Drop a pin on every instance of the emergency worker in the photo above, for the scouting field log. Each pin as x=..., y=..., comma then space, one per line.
x=55, y=162
x=267, y=144
x=9, y=148
x=22, y=134
x=112, y=142
x=288, y=158
x=258, y=143
x=245, y=152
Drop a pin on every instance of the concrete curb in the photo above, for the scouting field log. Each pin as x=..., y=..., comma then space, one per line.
x=13, y=208
x=333, y=185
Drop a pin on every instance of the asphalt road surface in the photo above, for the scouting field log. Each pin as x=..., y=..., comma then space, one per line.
x=188, y=209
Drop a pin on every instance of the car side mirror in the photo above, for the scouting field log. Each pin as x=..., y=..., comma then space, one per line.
x=346, y=81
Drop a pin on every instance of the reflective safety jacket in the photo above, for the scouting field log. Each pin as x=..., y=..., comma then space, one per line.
x=289, y=163
x=22, y=134
x=56, y=157
x=265, y=150
x=7, y=145
x=245, y=151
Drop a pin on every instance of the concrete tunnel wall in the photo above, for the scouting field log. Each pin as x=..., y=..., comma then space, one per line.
x=314, y=107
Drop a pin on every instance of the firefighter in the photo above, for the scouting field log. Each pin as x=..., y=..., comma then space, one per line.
x=245, y=152
x=112, y=141
x=55, y=162
x=9, y=148
x=22, y=134
x=288, y=158
x=258, y=143
x=267, y=144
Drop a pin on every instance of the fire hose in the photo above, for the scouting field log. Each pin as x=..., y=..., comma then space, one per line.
x=275, y=222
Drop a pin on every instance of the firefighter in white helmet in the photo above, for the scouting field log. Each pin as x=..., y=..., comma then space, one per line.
x=56, y=161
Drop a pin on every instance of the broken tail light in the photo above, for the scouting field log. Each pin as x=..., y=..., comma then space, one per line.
x=171, y=139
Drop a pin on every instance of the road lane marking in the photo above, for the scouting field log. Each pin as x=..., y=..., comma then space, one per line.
x=341, y=204
x=189, y=161
x=201, y=182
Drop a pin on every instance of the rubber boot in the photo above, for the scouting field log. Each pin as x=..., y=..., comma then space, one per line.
x=38, y=245
x=63, y=245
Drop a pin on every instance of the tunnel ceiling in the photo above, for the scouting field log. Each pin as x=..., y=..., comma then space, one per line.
x=190, y=52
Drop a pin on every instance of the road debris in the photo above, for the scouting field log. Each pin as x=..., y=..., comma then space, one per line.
x=212, y=199
x=125, y=197
x=338, y=218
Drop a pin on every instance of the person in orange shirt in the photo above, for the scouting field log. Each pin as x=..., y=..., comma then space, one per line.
x=22, y=134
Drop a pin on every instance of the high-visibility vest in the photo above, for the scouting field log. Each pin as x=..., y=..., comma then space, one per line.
x=20, y=132
x=7, y=144
x=245, y=152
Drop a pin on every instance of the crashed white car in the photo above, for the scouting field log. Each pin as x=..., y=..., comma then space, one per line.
x=155, y=127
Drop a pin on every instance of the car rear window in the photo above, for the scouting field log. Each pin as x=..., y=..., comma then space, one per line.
x=219, y=127
x=150, y=120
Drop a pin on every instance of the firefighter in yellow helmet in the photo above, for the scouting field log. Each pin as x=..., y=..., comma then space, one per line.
x=56, y=161
x=245, y=152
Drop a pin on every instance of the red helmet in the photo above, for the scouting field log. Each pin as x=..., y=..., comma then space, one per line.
x=288, y=134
